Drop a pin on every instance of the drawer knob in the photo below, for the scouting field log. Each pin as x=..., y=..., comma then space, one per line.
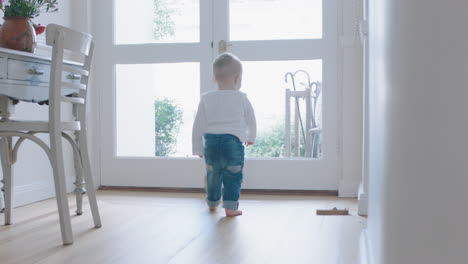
x=73, y=76
x=35, y=71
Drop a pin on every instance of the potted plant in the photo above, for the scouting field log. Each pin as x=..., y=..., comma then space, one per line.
x=17, y=31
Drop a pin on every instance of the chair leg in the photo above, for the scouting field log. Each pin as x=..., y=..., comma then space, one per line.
x=7, y=168
x=315, y=145
x=90, y=188
x=79, y=182
x=79, y=191
x=60, y=186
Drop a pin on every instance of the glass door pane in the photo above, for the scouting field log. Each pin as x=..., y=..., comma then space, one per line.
x=156, y=108
x=275, y=19
x=156, y=21
x=265, y=84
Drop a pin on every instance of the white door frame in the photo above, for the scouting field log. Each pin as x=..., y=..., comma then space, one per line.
x=188, y=172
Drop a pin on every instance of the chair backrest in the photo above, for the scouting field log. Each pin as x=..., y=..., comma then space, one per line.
x=74, y=41
x=68, y=82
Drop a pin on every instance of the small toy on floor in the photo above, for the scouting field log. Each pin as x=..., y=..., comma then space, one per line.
x=334, y=211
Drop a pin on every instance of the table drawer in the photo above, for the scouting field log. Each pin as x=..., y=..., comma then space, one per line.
x=28, y=71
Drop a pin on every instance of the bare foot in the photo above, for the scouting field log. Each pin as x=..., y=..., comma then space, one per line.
x=230, y=212
x=212, y=209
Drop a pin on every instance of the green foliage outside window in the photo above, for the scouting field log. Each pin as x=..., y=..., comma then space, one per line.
x=168, y=119
x=163, y=20
x=270, y=143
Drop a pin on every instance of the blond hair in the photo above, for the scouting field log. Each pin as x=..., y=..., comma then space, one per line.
x=225, y=65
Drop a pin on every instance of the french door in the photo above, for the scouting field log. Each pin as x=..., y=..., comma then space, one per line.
x=155, y=63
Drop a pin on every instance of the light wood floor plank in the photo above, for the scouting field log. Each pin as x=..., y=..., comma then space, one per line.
x=176, y=228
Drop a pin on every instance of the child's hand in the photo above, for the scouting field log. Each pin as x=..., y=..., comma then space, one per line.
x=248, y=144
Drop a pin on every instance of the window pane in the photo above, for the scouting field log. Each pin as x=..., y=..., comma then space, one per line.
x=264, y=83
x=157, y=21
x=275, y=19
x=156, y=108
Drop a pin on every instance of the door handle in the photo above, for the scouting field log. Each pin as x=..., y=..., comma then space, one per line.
x=222, y=46
x=34, y=71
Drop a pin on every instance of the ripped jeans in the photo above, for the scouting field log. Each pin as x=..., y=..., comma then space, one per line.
x=224, y=158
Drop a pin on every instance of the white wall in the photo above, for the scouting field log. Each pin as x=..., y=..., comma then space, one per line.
x=378, y=127
x=81, y=19
x=33, y=178
x=351, y=99
x=419, y=123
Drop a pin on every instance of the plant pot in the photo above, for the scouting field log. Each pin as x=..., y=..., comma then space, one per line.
x=18, y=33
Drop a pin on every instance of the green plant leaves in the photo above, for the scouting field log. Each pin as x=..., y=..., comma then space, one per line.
x=168, y=119
x=28, y=8
x=163, y=20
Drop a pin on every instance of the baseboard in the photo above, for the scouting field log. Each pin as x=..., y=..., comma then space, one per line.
x=348, y=189
x=202, y=190
x=365, y=252
x=31, y=193
x=34, y=192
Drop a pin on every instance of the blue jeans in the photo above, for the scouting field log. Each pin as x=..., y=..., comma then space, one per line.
x=224, y=158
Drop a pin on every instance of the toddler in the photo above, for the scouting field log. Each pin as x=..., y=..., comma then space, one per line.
x=225, y=120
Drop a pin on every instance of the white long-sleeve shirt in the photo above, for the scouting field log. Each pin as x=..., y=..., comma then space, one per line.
x=223, y=112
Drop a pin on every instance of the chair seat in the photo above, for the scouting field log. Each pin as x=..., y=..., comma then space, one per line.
x=35, y=126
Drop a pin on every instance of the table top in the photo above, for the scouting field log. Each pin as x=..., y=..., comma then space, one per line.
x=29, y=55
x=24, y=54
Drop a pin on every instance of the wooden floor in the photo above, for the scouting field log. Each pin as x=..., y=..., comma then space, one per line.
x=148, y=227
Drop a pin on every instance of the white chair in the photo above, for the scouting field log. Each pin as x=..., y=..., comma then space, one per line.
x=60, y=38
